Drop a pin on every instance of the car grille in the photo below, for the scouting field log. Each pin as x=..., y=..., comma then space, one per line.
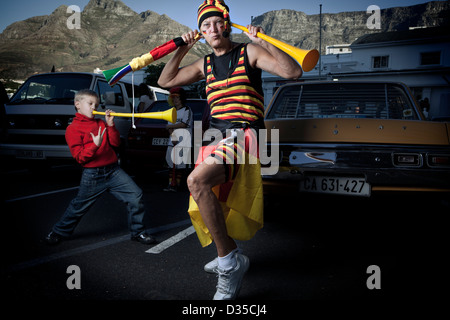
x=36, y=139
x=52, y=122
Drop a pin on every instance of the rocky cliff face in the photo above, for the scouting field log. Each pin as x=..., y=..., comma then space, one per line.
x=302, y=30
x=112, y=34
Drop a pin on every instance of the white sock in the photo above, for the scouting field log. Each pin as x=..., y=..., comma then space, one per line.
x=229, y=261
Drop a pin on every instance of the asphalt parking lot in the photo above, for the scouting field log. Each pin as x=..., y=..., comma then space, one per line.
x=312, y=247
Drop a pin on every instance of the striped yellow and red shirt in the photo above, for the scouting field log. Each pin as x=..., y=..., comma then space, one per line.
x=234, y=93
x=233, y=87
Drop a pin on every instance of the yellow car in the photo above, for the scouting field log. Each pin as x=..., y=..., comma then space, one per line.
x=355, y=138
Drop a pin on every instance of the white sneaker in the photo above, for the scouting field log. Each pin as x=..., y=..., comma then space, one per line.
x=230, y=281
x=211, y=267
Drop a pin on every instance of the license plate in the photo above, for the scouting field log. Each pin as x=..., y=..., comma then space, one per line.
x=30, y=154
x=336, y=185
x=160, y=141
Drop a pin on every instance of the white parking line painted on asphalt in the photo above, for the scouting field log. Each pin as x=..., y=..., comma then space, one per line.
x=41, y=194
x=93, y=246
x=171, y=241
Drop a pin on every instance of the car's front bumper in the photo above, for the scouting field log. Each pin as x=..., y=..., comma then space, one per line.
x=383, y=167
x=33, y=151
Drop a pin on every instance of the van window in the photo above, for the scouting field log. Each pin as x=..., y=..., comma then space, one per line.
x=109, y=95
x=51, y=89
x=129, y=88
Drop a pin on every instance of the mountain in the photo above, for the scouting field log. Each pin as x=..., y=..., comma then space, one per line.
x=302, y=30
x=112, y=34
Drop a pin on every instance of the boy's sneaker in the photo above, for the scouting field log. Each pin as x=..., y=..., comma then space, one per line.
x=144, y=238
x=53, y=238
x=230, y=281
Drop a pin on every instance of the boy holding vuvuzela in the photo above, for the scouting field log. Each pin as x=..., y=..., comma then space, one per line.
x=91, y=142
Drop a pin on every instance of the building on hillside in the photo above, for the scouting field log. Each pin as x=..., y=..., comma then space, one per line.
x=338, y=49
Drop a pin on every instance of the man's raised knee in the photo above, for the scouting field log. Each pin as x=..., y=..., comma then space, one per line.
x=192, y=183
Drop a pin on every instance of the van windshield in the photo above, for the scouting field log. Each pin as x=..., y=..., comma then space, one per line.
x=51, y=89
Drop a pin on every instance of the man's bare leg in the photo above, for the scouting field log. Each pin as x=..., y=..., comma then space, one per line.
x=205, y=176
x=231, y=265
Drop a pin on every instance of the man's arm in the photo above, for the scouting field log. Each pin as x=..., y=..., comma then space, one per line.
x=267, y=57
x=172, y=75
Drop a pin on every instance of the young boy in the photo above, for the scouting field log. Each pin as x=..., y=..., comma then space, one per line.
x=91, y=143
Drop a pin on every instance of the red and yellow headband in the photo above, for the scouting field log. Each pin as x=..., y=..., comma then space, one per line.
x=213, y=8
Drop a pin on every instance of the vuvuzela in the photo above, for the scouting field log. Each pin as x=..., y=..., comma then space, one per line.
x=306, y=58
x=168, y=115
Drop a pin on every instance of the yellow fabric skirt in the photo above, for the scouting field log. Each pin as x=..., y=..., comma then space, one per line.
x=242, y=204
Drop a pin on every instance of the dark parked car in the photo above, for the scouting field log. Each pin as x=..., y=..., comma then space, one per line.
x=355, y=138
x=147, y=144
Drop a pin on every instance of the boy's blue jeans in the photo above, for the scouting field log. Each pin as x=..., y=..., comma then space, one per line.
x=94, y=182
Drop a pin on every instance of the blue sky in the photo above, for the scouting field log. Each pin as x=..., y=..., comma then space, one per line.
x=184, y=11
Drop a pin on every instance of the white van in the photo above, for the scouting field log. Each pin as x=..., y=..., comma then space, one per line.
x=42, y=108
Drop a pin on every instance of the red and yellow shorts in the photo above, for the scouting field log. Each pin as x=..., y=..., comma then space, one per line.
x=239, y=147
x=241, y=196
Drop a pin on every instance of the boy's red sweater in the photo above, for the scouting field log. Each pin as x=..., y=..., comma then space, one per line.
x=83, y=148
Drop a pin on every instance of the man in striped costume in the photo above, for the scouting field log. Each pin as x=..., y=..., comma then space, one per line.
x=226, y=188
